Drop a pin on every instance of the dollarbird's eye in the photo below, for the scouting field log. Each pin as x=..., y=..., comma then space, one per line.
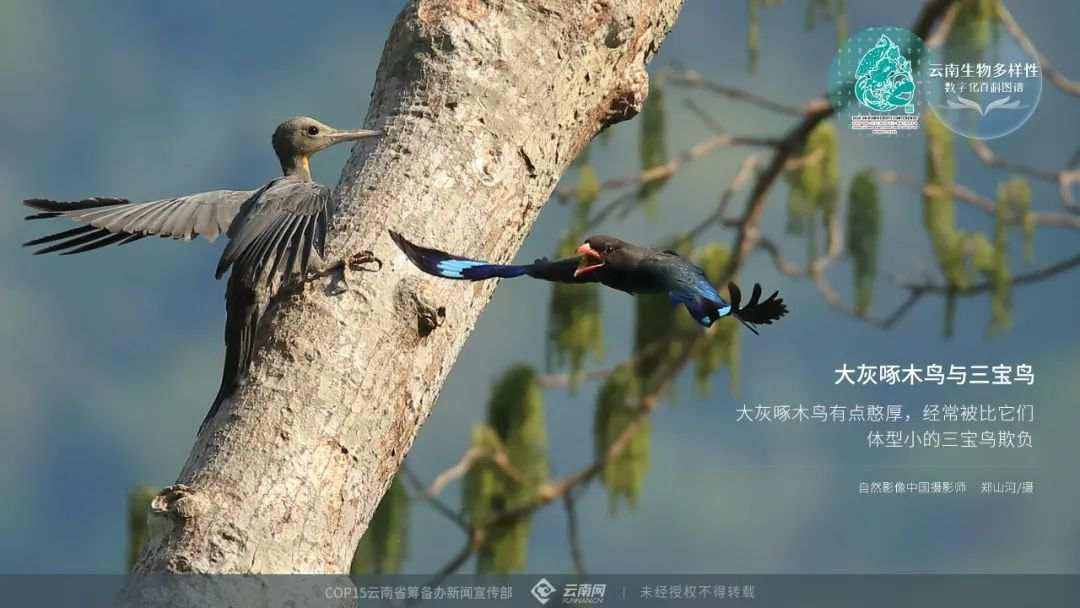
x=313, y=130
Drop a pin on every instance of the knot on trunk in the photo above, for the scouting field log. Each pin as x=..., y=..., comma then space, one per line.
x=412, y=301
x=629, y=98
x=178, y=503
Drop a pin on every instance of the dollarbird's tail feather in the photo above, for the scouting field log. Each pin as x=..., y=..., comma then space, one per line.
x=442, y=264
x=756, y=311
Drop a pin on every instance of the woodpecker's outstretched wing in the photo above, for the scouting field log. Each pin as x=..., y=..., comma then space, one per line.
x=448, y=266
x=278, y=232
x=278, y=229
x=117, y=220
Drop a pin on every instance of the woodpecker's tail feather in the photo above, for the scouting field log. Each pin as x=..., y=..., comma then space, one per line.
x=447, y=266
x=244, y=308
x=756, y=312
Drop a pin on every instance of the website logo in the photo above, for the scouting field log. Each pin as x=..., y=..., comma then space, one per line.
x=542, y=591
x=883, y=80
x=875, y=81
x=983, y=87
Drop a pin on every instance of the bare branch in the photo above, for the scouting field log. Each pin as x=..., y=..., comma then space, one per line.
x=433, y=500
x=1052, y=74
x=742, y=176
x=1034, y=276
x=1064, y=178
x=577, y=556
x=969, y=196
x=455, y=472
x=662, y=172
x=694, y=80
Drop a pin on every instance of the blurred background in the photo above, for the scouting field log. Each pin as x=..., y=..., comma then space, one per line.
x=114, y=356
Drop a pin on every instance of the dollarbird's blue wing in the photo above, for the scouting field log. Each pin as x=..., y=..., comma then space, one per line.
x=688, y=285
x=702, y=301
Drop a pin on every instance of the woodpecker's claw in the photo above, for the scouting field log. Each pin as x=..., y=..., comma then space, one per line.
x=358, y=261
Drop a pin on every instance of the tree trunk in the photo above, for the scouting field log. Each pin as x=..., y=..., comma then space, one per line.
x=484, y=104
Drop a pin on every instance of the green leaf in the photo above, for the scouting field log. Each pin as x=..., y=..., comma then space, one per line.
x=1014, y=201
x=588, y=187
x=939, y=216
x=815, y=185
x=617, y=408
x=516, y=423
x=575, y=325
x=823, y=140
x=753, y=35
x=863, y=236
x=800, y=209
x=484, y=482
x=1029, y=236
x=655, y=329
x=840, y=20
x=516, y=413
x=653, y=147
x=138, y=508
x=972, y=29
x=383, y=548
x=980, y=250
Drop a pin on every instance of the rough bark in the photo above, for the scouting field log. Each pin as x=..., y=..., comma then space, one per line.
x=484, y=104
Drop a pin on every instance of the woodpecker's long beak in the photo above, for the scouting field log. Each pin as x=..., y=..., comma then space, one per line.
x=590, y=260
x=340, y=136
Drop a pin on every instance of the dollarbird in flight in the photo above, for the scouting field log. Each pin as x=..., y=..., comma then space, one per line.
x=619, y=265
x=276, y=234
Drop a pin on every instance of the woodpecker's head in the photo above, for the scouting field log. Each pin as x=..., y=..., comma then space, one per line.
x=296, y=139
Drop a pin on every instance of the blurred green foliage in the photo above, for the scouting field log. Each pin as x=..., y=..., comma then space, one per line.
x=653, y=147
x=753, y=34
x=939, y=216
x=960, y=253
x=138, y=508
x=384, y=546
x=618, y=406
x=863, y=236
x=832, y=10
x=511, y=446
x=814, y=185
x=1014, y=201
x=515, y=427
x=973, y=28
x=575, y=329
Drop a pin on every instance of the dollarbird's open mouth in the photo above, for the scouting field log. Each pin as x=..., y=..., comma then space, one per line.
x=590, y=260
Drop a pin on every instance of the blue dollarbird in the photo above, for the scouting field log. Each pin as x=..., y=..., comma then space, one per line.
x=619, y=265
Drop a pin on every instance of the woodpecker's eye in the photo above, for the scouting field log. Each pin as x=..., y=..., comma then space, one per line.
x=313, y=130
